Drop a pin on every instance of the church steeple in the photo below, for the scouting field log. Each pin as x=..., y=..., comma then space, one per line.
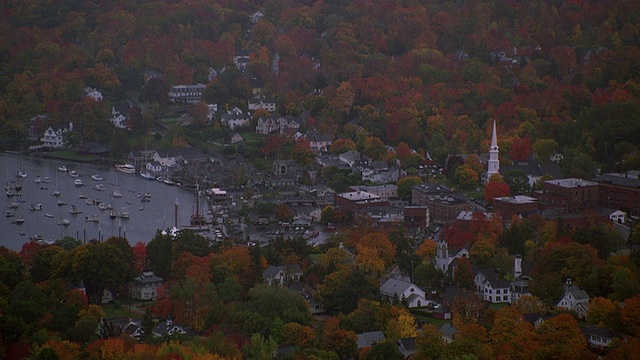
x=493, y=165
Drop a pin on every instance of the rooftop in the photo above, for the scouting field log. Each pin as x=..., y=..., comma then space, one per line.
x=571, y=183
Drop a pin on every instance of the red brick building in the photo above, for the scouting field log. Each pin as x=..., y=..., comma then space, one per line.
x=620, y=191
x=569, y=195
x=520, y=205
x=415, y=215
x=444, y=204
x=356, y=201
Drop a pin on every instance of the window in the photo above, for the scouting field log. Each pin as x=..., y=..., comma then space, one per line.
x=498, y=291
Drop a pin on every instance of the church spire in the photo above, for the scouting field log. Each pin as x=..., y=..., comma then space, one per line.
x=494, y=138
x=493, y=165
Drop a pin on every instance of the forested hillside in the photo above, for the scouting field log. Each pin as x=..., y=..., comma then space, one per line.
x=428, y=73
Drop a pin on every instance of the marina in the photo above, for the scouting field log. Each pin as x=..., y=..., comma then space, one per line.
x=107, y=216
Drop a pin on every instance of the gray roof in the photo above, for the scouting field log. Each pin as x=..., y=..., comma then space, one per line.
x=394, y=286
x=448, y=330
x=629, y=179
x=533, y=168
x=369, y=339
x=148, y=279
x=577, y=293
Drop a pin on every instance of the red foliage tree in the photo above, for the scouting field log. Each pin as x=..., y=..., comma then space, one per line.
x=521, y=148
x=495, y=189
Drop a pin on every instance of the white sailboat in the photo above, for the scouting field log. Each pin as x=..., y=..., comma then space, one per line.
x=116, y=193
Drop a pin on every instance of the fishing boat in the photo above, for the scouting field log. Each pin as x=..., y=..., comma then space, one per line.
x=103, y=206
x=100, y=187
x=18, y=220
x=146, y=175
x=97, y=177
x=55, y=193
x=65, y=222
x=169, y=182
x=73, y=173
x=21, y=174
x=116, y=194
x=37, y=237
x=78, y=182
x=126, y=168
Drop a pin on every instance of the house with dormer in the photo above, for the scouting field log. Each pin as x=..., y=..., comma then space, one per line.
x=288, y=125
x=53, y=137
x=492, y=287
x=93, y=94
x=235, y=118
x=281, y=275
x=319, y=142
x=267, y=125
x=119, y=116
x=574, y=299
x=145, y=286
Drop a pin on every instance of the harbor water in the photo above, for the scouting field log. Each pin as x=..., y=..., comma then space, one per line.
x=45, y=214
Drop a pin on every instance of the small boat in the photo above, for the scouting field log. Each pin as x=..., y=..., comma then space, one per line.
x=147, y=195
x=131, y=191
x=8, y=213
x=146, y=175
x=112, y=214
x=21, y=233
x=100, y=187
x=34, y=207
x=116, y=194
x=90, y=202
x=103, y=206
x=74, y=210
x=73, y=173
x=169, y=182
x=62, y=168
x=92, y=218
x=97, y=177
x=18, y=187
x=44, y=187
x=78, y=182
x=159, y=179
x=141, y=208
x=13, y=205
x=61, y=203
x=123, y=213
x=49, y=215
x=82, y=196
x=128, y=202
x=37, y=237
x=65, y=222
x=46, y=180
x=55, y=193
x=18, y=221
x=21, y=174
x=10, y=193
x=126, y=168
x=37, y=179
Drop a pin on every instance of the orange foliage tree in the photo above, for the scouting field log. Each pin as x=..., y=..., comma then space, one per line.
x=375, y=252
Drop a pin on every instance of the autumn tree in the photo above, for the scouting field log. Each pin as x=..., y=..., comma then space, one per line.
x=374, y=252
x=518, y=182
x=301, y=336
x=471, y=339
x=272, y=144
x=630, y=315
x=495, y=189
x=511, y=336
x=561, y=338
x=429, y=344
x=341, y=289
x=604, y=313
x=463, y=274
x=374, y=148
x=334, y=338
x=465, y=176
x=340, y=146
x=520, y=148
x=302, y=152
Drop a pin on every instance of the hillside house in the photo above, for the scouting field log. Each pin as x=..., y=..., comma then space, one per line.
x=53, y=137
x=402, y=289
